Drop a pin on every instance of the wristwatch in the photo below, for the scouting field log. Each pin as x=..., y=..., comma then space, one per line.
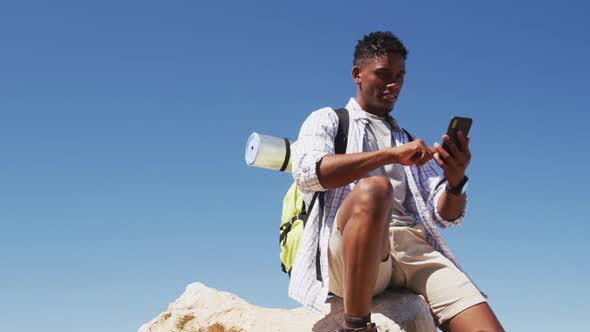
x=459, y=189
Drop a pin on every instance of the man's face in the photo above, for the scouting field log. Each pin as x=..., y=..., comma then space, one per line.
x=379, y=82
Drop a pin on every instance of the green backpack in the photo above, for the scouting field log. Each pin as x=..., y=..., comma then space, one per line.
x=294, y=214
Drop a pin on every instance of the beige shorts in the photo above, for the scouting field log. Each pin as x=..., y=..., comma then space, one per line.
x=415, y=265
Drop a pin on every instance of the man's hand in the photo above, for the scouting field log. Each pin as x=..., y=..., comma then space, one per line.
x=415, y=152
x=454, y=163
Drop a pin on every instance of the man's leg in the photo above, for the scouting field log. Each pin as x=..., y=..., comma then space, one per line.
x=363, y=222
x=480, y=317
x=456, y=303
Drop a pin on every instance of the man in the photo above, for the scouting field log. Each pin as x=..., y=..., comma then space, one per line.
x=381, y=202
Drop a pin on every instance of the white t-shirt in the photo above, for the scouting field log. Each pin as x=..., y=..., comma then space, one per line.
x=379, y=136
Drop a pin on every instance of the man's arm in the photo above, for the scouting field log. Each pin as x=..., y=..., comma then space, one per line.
x=317, y=168
x=454, y=165
x=337, y=170
x=451, y=206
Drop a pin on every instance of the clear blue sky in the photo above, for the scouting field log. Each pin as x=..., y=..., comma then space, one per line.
x=123, y=126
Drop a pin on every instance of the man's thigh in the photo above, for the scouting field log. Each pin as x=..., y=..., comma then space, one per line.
x=447, y=289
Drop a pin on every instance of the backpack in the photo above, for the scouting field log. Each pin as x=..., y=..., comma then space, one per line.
x=294, y=215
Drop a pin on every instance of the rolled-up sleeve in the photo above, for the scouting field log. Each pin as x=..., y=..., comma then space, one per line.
x=442, y=222
x=436, y=186
x=316, y=139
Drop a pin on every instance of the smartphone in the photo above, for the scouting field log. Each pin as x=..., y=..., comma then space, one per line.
x=458, y=123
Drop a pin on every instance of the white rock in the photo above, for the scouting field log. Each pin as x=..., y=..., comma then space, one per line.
x=204, y=309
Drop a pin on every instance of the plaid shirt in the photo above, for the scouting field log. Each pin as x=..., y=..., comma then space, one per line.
x=316, y=139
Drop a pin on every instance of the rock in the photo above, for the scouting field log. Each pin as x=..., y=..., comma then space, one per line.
x=204, y=309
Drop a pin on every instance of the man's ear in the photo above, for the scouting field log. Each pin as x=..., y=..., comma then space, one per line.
x=356, y=74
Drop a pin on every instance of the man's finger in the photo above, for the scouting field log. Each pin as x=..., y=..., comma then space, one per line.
x=439, y=161
x=423, y=161
x=465, y=154
x=468, y=151
x=426, y=154
x=452, y=148
x=461, y=141
x=446, y=156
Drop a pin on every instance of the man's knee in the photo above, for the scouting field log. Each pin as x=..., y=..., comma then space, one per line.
x=374, y=191
x=373, y=199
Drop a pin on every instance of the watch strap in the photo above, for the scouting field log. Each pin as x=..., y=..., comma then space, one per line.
x=458, y=190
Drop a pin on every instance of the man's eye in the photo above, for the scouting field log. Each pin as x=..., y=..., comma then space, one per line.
x=384, y=75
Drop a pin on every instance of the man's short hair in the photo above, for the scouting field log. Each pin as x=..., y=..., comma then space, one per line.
x=377, y=44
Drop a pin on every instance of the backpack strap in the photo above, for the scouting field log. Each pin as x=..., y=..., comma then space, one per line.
x=408, y=134
x=318, y=265
x=341, y=140
x=287, y=155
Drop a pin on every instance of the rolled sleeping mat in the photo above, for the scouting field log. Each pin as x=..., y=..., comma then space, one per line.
x=269, y=152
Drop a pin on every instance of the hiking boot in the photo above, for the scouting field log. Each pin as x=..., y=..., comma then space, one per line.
x=371, y=327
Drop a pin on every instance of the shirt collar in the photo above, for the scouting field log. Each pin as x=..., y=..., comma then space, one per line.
x=356, y=113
